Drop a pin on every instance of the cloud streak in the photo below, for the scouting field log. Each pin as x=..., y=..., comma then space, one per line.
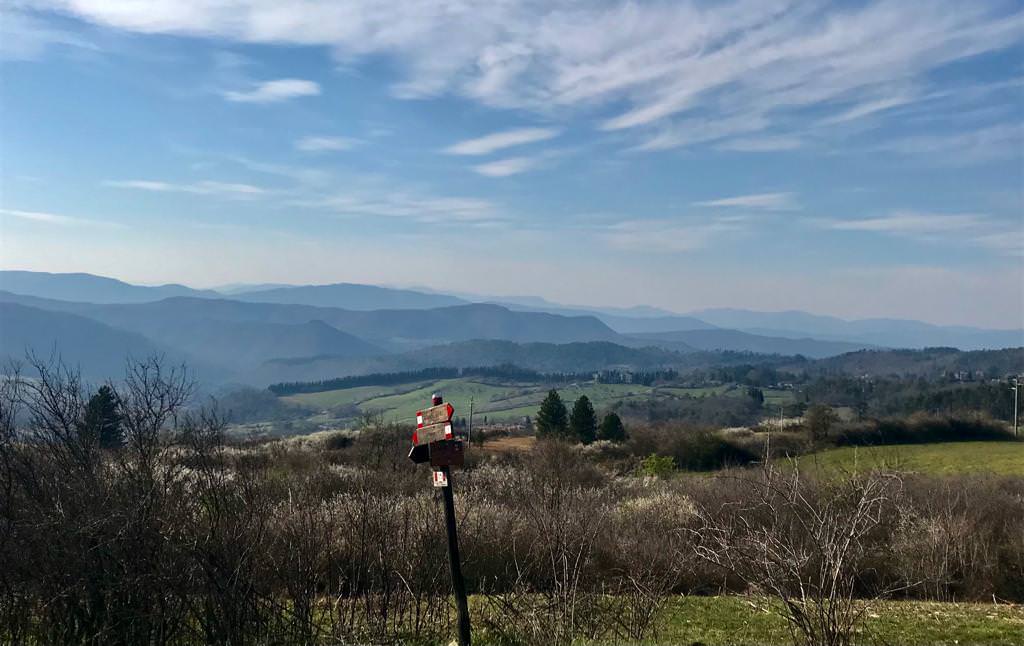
x=979, y=230
x=325, y=144
x=43, y=217
x=206, y=187
x=762, y=201
x=506, y=167
x=740, y=66
x=274, y=91
x=501, y=140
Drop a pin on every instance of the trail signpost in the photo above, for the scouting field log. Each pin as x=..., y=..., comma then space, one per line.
x=433, y=442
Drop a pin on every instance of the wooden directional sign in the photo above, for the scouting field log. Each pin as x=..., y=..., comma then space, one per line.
x=434, y=415
x=432, y=433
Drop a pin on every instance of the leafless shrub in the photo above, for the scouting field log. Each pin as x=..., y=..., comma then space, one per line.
x=803, y=544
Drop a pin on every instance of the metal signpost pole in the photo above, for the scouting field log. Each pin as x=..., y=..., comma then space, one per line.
x=458, y=584
x=435, y=442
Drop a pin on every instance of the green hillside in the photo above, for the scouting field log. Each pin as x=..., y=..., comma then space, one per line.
x=1002, y=458
x=497, y=401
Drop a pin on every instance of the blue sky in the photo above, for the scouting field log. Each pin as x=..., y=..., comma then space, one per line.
x=857, y=158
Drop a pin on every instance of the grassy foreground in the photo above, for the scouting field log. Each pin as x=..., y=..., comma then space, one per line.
x=734, y=621
x=947, y=458
x=738, y=621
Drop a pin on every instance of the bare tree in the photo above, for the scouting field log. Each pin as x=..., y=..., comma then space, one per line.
x=801, y=543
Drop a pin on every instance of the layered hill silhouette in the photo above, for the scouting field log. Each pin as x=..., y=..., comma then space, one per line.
x=287, y=333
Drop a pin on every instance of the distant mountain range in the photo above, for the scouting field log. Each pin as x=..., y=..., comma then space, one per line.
x=894, y=333
x=258, y=331
x=90, y=289
x=718, y=339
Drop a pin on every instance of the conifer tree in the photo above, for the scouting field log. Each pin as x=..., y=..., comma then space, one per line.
x=552, y=418
x=583, y=421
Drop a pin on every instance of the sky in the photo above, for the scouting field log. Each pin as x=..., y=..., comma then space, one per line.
x=860, y=159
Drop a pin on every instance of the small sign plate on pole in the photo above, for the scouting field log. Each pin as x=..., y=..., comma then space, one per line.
x=440, y=479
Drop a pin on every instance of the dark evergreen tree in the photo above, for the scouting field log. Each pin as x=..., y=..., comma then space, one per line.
x=612, y=429
x=102, y=422
x=583, y=421
x=757, y=395
x=552, y=418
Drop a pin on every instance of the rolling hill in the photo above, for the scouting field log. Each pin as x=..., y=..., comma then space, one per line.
x=717, y=339
x=97, y=350
x=930, y=362
x=390, y=329
x=88, y=288
x=894, y=333
x=349, y=296
x=542, y=357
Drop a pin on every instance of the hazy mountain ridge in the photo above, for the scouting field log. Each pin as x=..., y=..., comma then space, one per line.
x=99, y=351
x=927, y=362
x=542, y=357
x=349, y=296
x=89, y=288
x=720, y=339
x=231, y=336
x=894, y=333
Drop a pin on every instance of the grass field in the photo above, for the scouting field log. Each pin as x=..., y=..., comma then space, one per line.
x=721, y=621
x=1003, y=458
x=498, y=402
x=738, y=621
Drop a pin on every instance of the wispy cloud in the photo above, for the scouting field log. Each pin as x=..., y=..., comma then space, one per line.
x=763, y=201
x=761, y=144
x=39, y=216
x=665, y=235
x=51, y=218
x=912, y=223
x=222, y=189
x=427, y=209
x=999, y=141
x=506, y=167
x=501, y=140
x=325, y=144
x=274, y=91
x=976, y=229
x=756, y=65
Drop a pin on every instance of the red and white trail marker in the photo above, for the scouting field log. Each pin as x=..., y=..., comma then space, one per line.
x=440, y=479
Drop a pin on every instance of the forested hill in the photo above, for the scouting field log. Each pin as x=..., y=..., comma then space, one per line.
x=930, y=362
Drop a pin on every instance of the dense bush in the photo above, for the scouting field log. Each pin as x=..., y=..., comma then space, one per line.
x=179, y=537
x=921, y=429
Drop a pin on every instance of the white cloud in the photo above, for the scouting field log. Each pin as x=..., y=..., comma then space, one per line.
x=506, y=167
x=761, y=144
x=665, y=235
x=325, y=144
x=501, y=140
x=999, y=141
x=427, y=209
x=765, y=201
x=756, y=62
x=912, y=223
x=974, y=229
x=39, y=216
x=206, y=187
x=43, y=217
x=275, y=91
